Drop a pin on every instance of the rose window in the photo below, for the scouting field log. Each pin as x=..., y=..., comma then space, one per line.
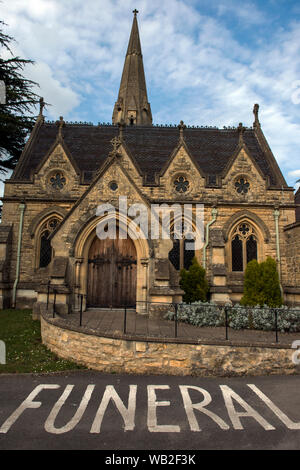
x=242, y=186
x=181, y=184
x=58, y=181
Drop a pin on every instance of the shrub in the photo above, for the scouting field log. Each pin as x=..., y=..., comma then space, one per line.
x=261, y=284
x=193, y=282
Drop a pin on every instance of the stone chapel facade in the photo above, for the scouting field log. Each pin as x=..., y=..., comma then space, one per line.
x=49, y=220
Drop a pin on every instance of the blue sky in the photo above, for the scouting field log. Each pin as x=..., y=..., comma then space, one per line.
x=206, y=63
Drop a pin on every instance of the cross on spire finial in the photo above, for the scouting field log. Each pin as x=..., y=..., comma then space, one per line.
x=135, y=12
x=116, y=144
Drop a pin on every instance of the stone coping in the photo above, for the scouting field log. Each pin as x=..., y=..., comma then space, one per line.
x=117, y=334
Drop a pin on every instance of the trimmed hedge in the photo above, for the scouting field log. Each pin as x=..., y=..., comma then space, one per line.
x=261, y=285
x=239, y=317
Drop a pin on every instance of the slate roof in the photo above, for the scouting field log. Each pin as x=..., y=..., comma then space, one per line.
x=150, y=146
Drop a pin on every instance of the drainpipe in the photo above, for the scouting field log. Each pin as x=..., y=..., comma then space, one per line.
x=276, y=217
x=214, y=214
x=22, y=209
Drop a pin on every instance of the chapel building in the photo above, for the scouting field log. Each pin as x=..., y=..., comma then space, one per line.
x=48, y=233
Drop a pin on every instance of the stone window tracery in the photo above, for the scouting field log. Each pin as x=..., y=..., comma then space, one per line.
x=180, y=256
x=58, y=181
x=44, y=247
x=244, y=246
x=242, y=186
x=181, y=184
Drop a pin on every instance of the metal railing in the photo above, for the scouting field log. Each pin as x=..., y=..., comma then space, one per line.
x=170, y=323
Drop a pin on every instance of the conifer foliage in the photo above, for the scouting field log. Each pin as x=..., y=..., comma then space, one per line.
x=261, y=284
x=193, y=282
x=16, y=119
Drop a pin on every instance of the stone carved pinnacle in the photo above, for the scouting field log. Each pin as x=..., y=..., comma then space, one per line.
x=255, y=112
x=132, y=97
x=181, y=128
x=42, y=105
x=241, y=129
x=60, y=125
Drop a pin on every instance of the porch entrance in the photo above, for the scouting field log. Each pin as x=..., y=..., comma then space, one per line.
x=112, y=266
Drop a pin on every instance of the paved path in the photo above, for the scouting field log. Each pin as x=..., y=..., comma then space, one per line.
x=90, y=410
x=111, y=322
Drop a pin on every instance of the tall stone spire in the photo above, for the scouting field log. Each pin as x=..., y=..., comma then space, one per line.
x=132, y=107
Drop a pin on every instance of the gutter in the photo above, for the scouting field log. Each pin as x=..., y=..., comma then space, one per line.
x=214, y=214
x=276, y=217
x=22, y=209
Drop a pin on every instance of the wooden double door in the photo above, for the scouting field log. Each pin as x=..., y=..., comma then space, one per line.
x=112, y=266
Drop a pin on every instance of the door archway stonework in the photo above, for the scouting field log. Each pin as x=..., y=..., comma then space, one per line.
x=82, y=248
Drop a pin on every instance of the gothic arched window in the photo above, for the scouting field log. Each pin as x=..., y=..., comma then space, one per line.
x=181, y=254
x=243, y=246
x=44, y=246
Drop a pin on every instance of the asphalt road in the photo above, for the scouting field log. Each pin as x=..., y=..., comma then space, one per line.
x=90, y=410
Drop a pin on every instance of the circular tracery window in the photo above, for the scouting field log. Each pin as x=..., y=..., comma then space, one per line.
x=242, y=186
x=181, y=184
x=113, y=185
x=58, y=181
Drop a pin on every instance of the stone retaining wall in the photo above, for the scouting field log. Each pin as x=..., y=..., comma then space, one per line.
x=119, y=355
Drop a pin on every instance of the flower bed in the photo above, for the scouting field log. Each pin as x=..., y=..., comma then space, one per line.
x=238, y=317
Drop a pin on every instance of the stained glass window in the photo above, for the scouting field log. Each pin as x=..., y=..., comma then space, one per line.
x=237, y=254
x=181, y=254
x=251, y=245
x=243, y=246
x=45, y=249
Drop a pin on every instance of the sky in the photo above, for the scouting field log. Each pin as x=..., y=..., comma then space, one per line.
x=206, y=63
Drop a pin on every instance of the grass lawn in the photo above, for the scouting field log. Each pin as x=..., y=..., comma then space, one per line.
x=24, y=349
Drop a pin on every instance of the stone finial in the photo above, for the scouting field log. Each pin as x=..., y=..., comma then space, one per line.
x=241, y=129
x=60, y=125
x=255, y=112
x=42, y=105
x=181, y=128
x=121, y=126
x=116, y=142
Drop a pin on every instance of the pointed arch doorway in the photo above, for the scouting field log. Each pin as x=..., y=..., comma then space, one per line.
x=112, y=273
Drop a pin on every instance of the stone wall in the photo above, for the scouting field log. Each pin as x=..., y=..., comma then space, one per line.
x=292, y=256
x=118, y=355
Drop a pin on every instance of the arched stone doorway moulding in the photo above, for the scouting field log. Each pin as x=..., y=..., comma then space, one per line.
x=81, y=250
